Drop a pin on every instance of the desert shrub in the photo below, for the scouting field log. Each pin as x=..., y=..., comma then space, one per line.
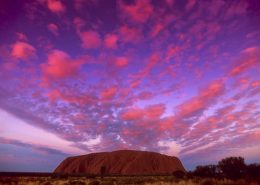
x=9, y=180
x=189, y=175
x=76, y=182
x=207, y=182
x=232, y=167
x=91, y=176
x=185, y=182
x=178, y=174
x=107, y=183
x=206, y=171
x=253, y=171
x=95, y=182
x=47, y=183
x=241, y=182
x=60, y=176
x=131, y=180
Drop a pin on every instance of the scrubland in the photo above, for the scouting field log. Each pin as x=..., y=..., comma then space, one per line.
x=151, y=180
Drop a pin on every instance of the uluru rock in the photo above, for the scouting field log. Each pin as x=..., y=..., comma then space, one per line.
x=122, y=162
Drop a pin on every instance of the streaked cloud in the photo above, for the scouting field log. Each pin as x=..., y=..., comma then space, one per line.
x=176, y=77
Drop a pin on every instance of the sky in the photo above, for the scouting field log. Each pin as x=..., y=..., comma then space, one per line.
x=178, y=77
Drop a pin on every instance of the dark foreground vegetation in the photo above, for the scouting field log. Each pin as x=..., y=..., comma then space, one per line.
x=228, y=171
x=231, y=168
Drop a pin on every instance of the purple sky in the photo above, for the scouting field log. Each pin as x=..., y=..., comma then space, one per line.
x=171, y=76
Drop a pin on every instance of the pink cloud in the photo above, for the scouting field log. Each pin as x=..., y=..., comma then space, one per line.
x=157, y=29
x=135, y=83
x=255, y=83
x=221, y=122
x=192, y=106
x=154, y=111
x=133, y=114
x=251, y=50
x=145, y=95
x=151, y=112
x=56, y=6
x=204, y=32
x=250, y=57
x=212, y=29
x=214, y=89
x=54, y=95
x=43, y=149
x=22, y=50
x=54, y=29
x=121, y=61
x=169, y=2
x=111, y=41
x=245, y=139
x=202, y=101
x=129, y=34
x=21, y=36
x=190, y=4
x=215, y=7
x=241, y=83
x=90, y=39
x=152, y=61
x=172, y=51
x=108, y=93
x=60, y=65
x=70, y=96
x=225, y=110
x=78, y=4
x=237, y=8
x=138, y=12
x=166, y=124
x=78, y=23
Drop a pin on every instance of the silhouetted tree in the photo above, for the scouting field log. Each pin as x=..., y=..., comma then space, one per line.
x=189, y=174
x=253, y=171
x=178, y=174
x=206, y=171
x=232, y=167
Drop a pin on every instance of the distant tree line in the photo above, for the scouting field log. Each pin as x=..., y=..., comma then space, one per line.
x=230, y=167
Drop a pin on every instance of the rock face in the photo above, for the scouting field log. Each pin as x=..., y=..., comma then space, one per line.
x=123, y=162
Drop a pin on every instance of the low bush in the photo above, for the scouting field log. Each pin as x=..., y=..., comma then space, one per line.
x=47, y=183
x=76, y=182
x=95, y=182
x=208, y=182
